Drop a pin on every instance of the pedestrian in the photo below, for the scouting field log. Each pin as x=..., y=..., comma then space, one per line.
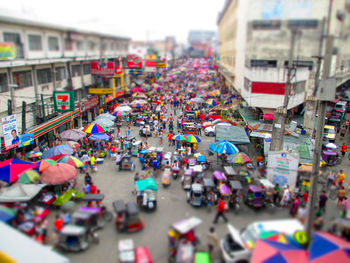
x=199, y=128
x=118, y=131
x=170, y=137
x=295, y=206
x=129, y=131
x=342, y=132
x=213, y=240
x=322, y=201
x=286, y=197
x=276, y=194
x=344, y=148
x=88, y=179
x=341, y=177
x=306, y=198
x=93, y=163
x=331, y=178
x=59, y=223
x=161, y=136
x=221, y=208
x=341, y=195
x=318, y=221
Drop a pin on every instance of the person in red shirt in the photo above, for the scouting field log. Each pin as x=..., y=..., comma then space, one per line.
x=344, y=148
x=93, y=189
x=306, y=197
x=59, y=222
x=170, y=136
x=222, y=207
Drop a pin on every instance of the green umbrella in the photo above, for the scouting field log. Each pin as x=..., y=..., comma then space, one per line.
x=29, y=177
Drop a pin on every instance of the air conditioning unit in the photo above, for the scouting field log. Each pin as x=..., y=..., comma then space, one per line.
x=45, y=87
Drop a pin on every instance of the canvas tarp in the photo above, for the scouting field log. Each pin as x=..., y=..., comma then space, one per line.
x=234, y=134
x=20, y=192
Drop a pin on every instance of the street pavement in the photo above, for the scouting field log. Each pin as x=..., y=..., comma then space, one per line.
x=172, y=206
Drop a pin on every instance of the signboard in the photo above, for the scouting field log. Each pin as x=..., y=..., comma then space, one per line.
x=64, y=100
x=282, y=168
x=9, y=126
x=102, y=68
x=151, y=57
x=26, y=139
x=100, y=91
x=151, y=64
x=161, y=65
x=119, y=70
x=90, y=103
x=135, y=62
x=150, y=69
x=7, y=51
x=134, y=72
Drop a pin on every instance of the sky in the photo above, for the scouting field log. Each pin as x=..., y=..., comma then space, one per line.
x=137, y=19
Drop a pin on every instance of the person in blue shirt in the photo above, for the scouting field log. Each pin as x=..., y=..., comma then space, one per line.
x=15, y=136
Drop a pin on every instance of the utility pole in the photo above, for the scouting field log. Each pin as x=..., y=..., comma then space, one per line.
x=321, y=118
x=279, y=121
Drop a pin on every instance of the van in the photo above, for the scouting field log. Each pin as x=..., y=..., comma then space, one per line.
x=329, y=133
x=237, y=246
x=341, y=106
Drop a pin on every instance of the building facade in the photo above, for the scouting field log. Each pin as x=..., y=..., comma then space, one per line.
x=255, y=38
x=49, y=58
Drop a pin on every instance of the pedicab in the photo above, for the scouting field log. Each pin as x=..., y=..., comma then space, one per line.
x=331, y=158
x=219, y=178
x=148, y=189
x=196, y=195
x=99, y=215
x=126, y=164
x=192, y=161
x=166, y=177
x=143, y=255
x=126, y=251
x=135, y=148
x=167, y=158
x=73, y=238
x=202, y=159
x=176, y=169
x=224, y=190
x=187, y=179
x=183, y=239
x=254, y=196
x=210, y=196
x=236, y=194
x=127, y=217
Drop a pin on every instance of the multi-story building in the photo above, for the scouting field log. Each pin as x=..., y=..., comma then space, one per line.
x=202, y=43
x=255, y=40
x=49, y=58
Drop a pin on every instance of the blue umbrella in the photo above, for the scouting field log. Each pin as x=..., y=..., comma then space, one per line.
x=224, y=147
x=60, y=149
x=99, y=137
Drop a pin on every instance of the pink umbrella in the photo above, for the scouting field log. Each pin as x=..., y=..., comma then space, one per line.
x=137, y=89
x=59, y=173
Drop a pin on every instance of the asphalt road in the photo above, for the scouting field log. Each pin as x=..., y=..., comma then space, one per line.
x=172, y=206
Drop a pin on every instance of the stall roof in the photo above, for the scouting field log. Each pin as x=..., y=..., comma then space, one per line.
x=22, y=248
x=20, y=192
x=234, y=134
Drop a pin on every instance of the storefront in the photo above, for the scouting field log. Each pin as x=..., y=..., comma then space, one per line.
x=89, y=109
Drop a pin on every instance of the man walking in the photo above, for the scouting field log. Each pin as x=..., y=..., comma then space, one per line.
x=199, y=128
x=322, y=201
x=222, y=206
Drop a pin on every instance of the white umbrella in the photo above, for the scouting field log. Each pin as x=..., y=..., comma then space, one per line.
x=331, y=145
x=123, y=108
x=105, y=122
x=106, y=116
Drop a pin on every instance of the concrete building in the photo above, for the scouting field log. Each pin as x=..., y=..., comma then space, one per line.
x=202, y=43
x=49, y=57
x=254, y=43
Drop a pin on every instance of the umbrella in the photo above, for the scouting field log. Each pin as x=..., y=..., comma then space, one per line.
x=239, y=158
x=57, y=157
x=119, y=113
x=11, y=169
x=99, y=137
x=197, y=100
x=44, y=164
x=138, y=95
x=105, y=122
x=7, y=214
x=72, y=144
x=193, y=139
x=138, y=102
x=179, y=138
x=73, y=134
x=123, y=108
x=72, y=160
x=331, y=145
x=68, y=206
x=29, y=177
x=326, y=247
x=268, y=251
x=217, y=92
x=137, y=105
x=60, y=149
x=212, y=102
x=95, y=128
x=59, y=173
x=137, y=89
x=34, y=154
x=147, y=184
x=106, y=116
x=223, y=147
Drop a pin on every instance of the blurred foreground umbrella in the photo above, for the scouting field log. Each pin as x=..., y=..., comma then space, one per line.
x=193, y=139
x=224, y=146
x=105, y=122
x=60, y=149
x=72, y=160
x=28, y=177
x=11, y=169
x=73, y=134
x=99, y=137
x=7, y=214
x=33, y=154
x=59, y=173
x=107, y=116
x=44, y=164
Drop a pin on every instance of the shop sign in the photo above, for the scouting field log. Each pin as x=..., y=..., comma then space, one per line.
x=134, y=72
x=151, y=57
x=135, y=62
x=161, y=65
x=151, y=63
x=26, y=139
x=101, y=91
x=119, y=70
x=90, y=103
x=64, y=100
x=102, y=68
x=7, y=51
x=150, y=69
x=9, y=126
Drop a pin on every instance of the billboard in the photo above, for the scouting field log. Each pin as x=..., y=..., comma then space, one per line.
x=9, y=126
x=7, y=51
x=26, y=139
x=102, y=68
x=64, y=100
x=135, y=62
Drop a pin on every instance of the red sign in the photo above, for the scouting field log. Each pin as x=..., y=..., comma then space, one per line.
x=151, y=63
x=135, y=62
x=103, y=68
x=119, y=93
x=119, y=70
x=269, y=88
x=92, y=102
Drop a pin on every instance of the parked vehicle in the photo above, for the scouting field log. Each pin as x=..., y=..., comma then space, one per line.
x=73, y=238
x=341, y=106
x=128, y=217
x=190, y=130
x=147, y=132
x=126, y=251
x=187, y=179
x=196, y=195
x=143, y=255
x=254, y=197
x=147, y=194
x=331, y=158
x=190, y=115
x=211, y=130
x=330, y=133
x=135, y=148
x=126, y=163
x=213, y=123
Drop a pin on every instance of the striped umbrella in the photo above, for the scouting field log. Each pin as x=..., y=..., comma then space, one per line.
x=44, y=164
x=11, y=169
x=193, y=139
x=119, y=113
x=72, y=160
x=179, y=138
x=33, y=154
x=224, y=146
x=7, y=214
x=95, y=128
x=29, y=177
x=137, y=105
x=212, y=102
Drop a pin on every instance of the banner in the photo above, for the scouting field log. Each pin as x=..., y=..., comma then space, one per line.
x=103, y=68
x=64, y=100
x=9, y=125
x=135, y=62
x=7, y=51
x=101, y=91
x=26, y=139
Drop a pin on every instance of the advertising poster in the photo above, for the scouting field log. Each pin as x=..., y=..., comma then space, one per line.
x=26, y=139
x=11, y=137
x=64, y=100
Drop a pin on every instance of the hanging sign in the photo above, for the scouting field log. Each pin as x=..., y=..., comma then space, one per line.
x=9, y=125
x=64, y=100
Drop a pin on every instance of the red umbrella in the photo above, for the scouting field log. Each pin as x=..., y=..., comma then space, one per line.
x=137, y=89
x=59, y=173
x=11, y=169
x=57, y=157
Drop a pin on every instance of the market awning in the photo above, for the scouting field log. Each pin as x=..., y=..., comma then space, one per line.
x=260, y=134
x=20, y=192
x=268, y=116
x=234, y=134
x=22, y=248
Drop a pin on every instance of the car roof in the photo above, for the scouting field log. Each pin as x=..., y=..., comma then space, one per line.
x=329, y=127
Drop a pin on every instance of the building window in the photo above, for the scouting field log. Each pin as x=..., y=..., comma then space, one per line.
x=53, y=44
x=16, y=39
x=23, y=79
x=80, y=45
x=266, y=24
x=303, y=23
x=301, y=64
x=3, y=83
x=91, y=45
x=44, y=76
x=299, y=87
x=35, y=43
x=75, y=70
x=68, y=44
x=263, y=63
x=87, y=69
x=60, y=73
